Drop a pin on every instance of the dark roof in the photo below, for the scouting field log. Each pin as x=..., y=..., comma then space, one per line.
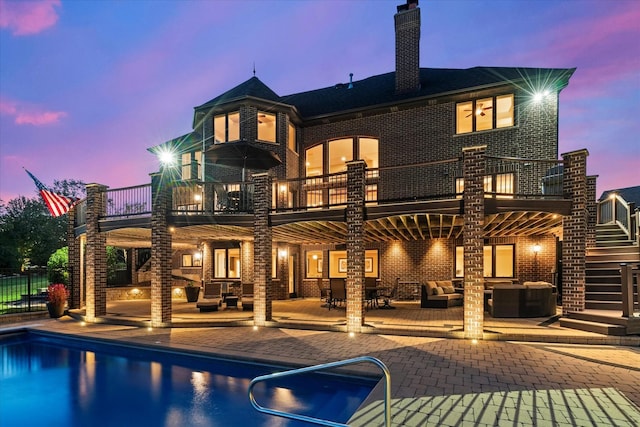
x=252, y=87
x=380, y=89
x=629, y=194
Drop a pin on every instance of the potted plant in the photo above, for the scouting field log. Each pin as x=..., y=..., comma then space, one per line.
x=192, y=292
x=57, y=295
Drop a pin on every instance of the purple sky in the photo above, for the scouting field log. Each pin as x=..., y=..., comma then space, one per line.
x=87, y=86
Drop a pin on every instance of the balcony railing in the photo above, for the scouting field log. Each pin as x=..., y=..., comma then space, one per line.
x=129, y=201
x=615, y=210
x=438, y=180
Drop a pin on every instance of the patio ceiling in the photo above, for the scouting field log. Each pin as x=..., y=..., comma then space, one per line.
x=400, y=227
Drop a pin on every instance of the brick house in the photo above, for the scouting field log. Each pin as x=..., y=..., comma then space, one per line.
x=413, y=175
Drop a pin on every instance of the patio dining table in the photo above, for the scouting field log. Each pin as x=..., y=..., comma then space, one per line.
x=383, y=292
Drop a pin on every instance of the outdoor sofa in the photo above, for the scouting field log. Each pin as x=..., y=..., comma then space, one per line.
x=531, y=299
x=439, y=294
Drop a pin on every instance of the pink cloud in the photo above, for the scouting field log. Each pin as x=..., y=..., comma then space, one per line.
x=28, y=115
x=28, y=17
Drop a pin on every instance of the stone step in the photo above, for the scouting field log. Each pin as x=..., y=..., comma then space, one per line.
x=596, y=327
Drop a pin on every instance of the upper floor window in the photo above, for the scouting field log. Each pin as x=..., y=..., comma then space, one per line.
x=192, y=260
x=291, y=138
x=266, y=126
x=191, y=168
x=484, y=114
x=500, y=186
x=340, y=152
x=226, y=127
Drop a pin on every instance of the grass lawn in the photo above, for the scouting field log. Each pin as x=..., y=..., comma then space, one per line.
x=12, y=288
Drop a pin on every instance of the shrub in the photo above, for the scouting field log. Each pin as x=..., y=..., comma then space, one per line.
x=57, y=266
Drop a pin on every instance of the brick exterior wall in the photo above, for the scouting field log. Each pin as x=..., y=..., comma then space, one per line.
x=473, y=241
x=592, y=210
x=575, y=232
x=75, y=265
x=262, y=308
x=246, y=261
x=407, y=27
x=160, y=252
x=207, y=262
x=355, y=245
x=133, y=260
x=96, y=253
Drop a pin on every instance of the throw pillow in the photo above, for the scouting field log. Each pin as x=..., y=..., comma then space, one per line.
x=431, y=287
x=448, y=289
x=439, y=291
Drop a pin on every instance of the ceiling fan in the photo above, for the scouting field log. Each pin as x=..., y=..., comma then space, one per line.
x=479, y=110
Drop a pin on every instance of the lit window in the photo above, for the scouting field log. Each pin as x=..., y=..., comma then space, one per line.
x=189, y=161
x=226, y=127
x=266, y=126
x=498, y=261
x=504, y=111
x=314, y=264
x=314, y=163
x=291, y=138
x=226, y=263
x=340, y=152
x=500, y=186
x=189, y=260
x=484, y=114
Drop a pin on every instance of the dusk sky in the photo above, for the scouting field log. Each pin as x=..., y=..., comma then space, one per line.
x=87, y=85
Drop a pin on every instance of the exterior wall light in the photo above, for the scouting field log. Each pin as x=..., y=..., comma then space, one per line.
x=536, y=248
x=167, y=157
x=197, y=197
x=282, y=253
x=539, y=96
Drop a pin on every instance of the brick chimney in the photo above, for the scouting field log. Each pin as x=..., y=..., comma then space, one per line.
x=407, y=22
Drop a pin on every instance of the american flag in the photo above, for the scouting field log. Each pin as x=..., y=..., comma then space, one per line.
x=56, y=203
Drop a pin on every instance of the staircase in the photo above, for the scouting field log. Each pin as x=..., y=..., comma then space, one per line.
x=603, y=281
x=603, y=285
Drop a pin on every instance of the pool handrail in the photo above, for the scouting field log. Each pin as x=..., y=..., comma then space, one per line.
x=378, y=362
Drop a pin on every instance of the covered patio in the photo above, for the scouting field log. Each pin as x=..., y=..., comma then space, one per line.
x=311, y=314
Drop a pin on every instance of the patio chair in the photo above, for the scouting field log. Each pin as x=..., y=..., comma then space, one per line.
x=387, y=295
x=371, y=291
x=212, y=298
x=325, y=294
x=338, y=292
x=247, y=297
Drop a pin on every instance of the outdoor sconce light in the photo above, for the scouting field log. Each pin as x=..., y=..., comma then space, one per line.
x=166, y=157
x=197, y=197
x=314, y=257
x=283, y=188
x=282, y=253
x=536, y=248
x=539, y=96
x=197, y=255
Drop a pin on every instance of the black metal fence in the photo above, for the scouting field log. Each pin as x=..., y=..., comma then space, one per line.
x=24, y=291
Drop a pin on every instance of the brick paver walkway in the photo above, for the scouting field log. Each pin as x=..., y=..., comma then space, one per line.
x=435, y=381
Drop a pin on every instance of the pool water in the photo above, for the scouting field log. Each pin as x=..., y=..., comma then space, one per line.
x=51, y=381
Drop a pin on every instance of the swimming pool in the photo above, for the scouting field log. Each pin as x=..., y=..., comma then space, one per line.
x=59, y=381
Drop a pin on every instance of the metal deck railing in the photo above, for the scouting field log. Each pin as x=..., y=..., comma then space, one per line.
x=370, y=359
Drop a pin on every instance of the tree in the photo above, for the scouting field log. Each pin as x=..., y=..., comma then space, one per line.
x=57, y=266
x=28, y=232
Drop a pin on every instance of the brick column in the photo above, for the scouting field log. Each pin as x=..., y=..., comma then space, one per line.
x=474, y=165
x=592, y=210
x=160, y=250
x=574, y=231
x=96, y=253
x=207, y=262
x=262, y=244
x=74, y=267
x=133, y=254
x=355, y=245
